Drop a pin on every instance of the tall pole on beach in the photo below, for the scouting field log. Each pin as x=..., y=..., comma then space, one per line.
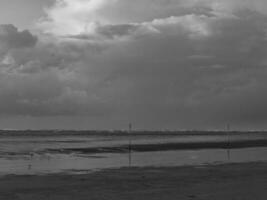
x=228, y=142
x=130, y=144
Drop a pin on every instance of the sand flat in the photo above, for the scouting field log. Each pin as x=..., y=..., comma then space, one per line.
x=246, y=181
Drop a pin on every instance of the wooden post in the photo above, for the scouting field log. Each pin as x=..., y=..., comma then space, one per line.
x=228, y=143
x=130, y=145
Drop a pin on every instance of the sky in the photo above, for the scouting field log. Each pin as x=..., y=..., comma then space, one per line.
x=159, y=64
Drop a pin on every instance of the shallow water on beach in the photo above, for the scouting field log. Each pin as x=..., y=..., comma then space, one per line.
x=22, y=154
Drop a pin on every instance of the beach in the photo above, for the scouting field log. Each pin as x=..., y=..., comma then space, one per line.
x=246, y=181
x=34, y=153
x=103, y=166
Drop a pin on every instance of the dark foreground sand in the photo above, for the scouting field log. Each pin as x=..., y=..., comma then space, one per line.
x=223, y=182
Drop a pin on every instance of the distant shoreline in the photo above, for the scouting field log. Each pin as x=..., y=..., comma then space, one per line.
x=120, y=132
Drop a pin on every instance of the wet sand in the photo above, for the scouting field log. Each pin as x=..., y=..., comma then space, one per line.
x=222, y=182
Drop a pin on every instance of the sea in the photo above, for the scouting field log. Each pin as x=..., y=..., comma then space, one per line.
x=76, y=152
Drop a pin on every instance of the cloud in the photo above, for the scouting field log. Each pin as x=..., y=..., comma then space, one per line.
x=70, y=17
x=45, y=78
x=11, y=37
x=177, y=64
x=112, y=31
x=80, y=16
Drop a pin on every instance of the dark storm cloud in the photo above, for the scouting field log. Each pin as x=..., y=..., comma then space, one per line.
x=189, y=67
x=11, y=37
x=189, y=75
x=112, y=31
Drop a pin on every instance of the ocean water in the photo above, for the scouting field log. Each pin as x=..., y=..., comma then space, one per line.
x=63, y=152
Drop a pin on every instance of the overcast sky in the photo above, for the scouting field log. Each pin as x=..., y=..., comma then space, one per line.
x=160, y=64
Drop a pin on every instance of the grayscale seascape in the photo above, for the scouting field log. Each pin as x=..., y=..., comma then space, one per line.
x=133, y=99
